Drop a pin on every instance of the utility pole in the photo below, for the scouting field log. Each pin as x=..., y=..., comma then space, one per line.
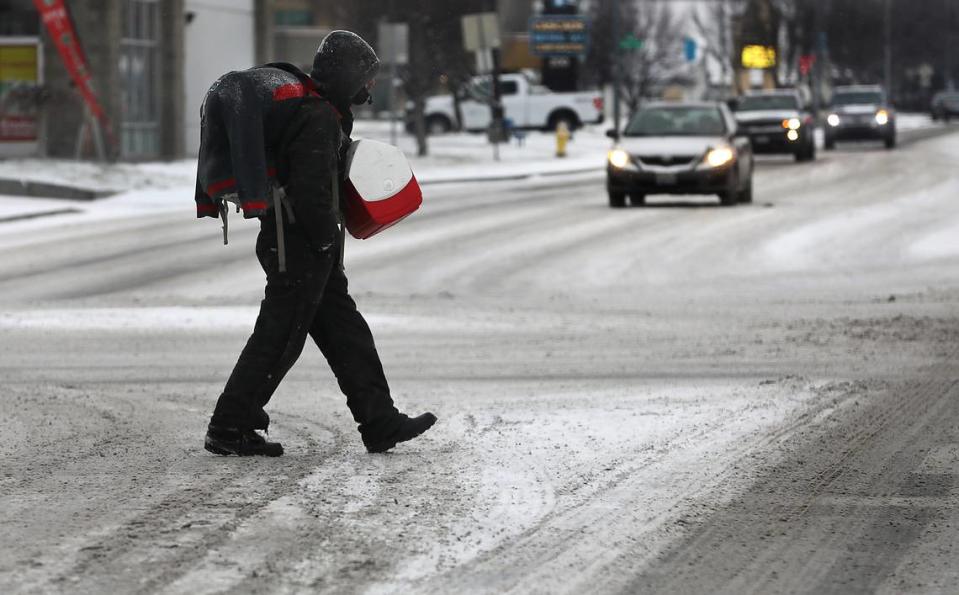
x=952, y=20
x=887, y=25
x=497, y=106
x=614, y=19
x=817, y=66
x=725, y=39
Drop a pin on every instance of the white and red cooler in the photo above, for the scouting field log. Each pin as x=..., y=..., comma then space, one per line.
x=381, y=188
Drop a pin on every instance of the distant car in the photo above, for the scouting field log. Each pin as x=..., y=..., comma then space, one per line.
x=680, y=148
x=860, y=113
x=945, y=105
x=777, y=122
x=525, y=103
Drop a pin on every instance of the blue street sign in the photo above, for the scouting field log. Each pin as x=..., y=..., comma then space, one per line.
x=690, y=49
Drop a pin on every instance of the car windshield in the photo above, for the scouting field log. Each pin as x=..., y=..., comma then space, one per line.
x=857, y=98
x=677, y=121
x=767, y=102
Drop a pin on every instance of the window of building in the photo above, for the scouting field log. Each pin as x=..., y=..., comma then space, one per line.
x=139, y=77
x=293, y=18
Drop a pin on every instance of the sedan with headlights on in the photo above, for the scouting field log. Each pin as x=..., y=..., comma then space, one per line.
x=860, y=112
x=680, y=148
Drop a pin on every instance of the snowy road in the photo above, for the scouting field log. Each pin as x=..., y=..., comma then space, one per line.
x=678, y=398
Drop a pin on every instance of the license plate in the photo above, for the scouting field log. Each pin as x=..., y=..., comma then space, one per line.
x=665, y=179
x=761, y=140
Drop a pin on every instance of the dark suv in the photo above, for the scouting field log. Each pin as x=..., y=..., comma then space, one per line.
x=861, y=112
x=777, y=122
x=945, y=105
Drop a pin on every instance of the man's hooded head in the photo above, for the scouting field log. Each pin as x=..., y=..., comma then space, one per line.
x=343, y=67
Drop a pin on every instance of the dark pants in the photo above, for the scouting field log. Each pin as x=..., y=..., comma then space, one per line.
x=310, y=298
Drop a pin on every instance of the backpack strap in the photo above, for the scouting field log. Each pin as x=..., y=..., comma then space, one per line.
x=278, y=194
x=225, y=216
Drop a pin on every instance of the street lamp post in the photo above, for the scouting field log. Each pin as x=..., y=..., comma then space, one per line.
x=950, y=18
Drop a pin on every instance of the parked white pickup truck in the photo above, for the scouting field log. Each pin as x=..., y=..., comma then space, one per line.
x=526, y=105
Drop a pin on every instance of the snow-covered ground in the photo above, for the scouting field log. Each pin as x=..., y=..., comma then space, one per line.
x=674, y=398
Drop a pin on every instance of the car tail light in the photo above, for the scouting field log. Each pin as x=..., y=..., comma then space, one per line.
x=598, y=103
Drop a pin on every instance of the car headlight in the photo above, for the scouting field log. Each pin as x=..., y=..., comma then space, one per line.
x=882, y=117
x=792, y=123
x=719, y=156
x=792, y=135
x=619, y=158
x=833, y=120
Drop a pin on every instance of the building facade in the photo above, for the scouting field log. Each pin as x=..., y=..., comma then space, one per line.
x=151, y=62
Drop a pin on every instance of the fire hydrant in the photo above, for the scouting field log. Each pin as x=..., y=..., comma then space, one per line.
x=562, y=138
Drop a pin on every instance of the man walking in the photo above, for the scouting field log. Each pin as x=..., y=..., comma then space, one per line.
x=290, y=137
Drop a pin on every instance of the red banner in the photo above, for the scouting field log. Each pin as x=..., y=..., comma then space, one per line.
x=56, y=17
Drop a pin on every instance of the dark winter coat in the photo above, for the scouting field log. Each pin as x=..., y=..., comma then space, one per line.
x=274, y=123
x=310, y=166
x=244, y=118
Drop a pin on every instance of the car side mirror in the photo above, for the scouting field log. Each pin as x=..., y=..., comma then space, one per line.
x=612, y=133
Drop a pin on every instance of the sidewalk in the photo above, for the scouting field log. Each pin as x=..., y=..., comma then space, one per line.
x=456, y=157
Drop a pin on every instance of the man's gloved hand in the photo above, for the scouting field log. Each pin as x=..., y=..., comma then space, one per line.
x=325, y=239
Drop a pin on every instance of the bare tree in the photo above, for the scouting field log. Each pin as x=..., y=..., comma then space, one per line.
x=660, y=61
x=603, y=48
x=714, y=24
x=643, y=71
x=436, y=53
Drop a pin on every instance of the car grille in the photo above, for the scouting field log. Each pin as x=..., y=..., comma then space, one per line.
x=762, y=124
x=857, y=119
x=666, y=160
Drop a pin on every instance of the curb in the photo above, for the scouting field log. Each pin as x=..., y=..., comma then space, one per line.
x=27, y=216
x=49, y=190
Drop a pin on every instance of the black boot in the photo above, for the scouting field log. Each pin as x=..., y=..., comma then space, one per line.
x=243, y=443
x=409, y=428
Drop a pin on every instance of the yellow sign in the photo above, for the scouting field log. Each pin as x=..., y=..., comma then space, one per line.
x=19, y=85
x=759, y=56
x=18, y=63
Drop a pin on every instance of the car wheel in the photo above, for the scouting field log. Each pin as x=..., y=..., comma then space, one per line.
x=890, y=141
x=637, y=199
x=572, y=123
x=730, y=196
x=746, y=196
x=436, y=125
x=829, y=144
x=617, y=200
